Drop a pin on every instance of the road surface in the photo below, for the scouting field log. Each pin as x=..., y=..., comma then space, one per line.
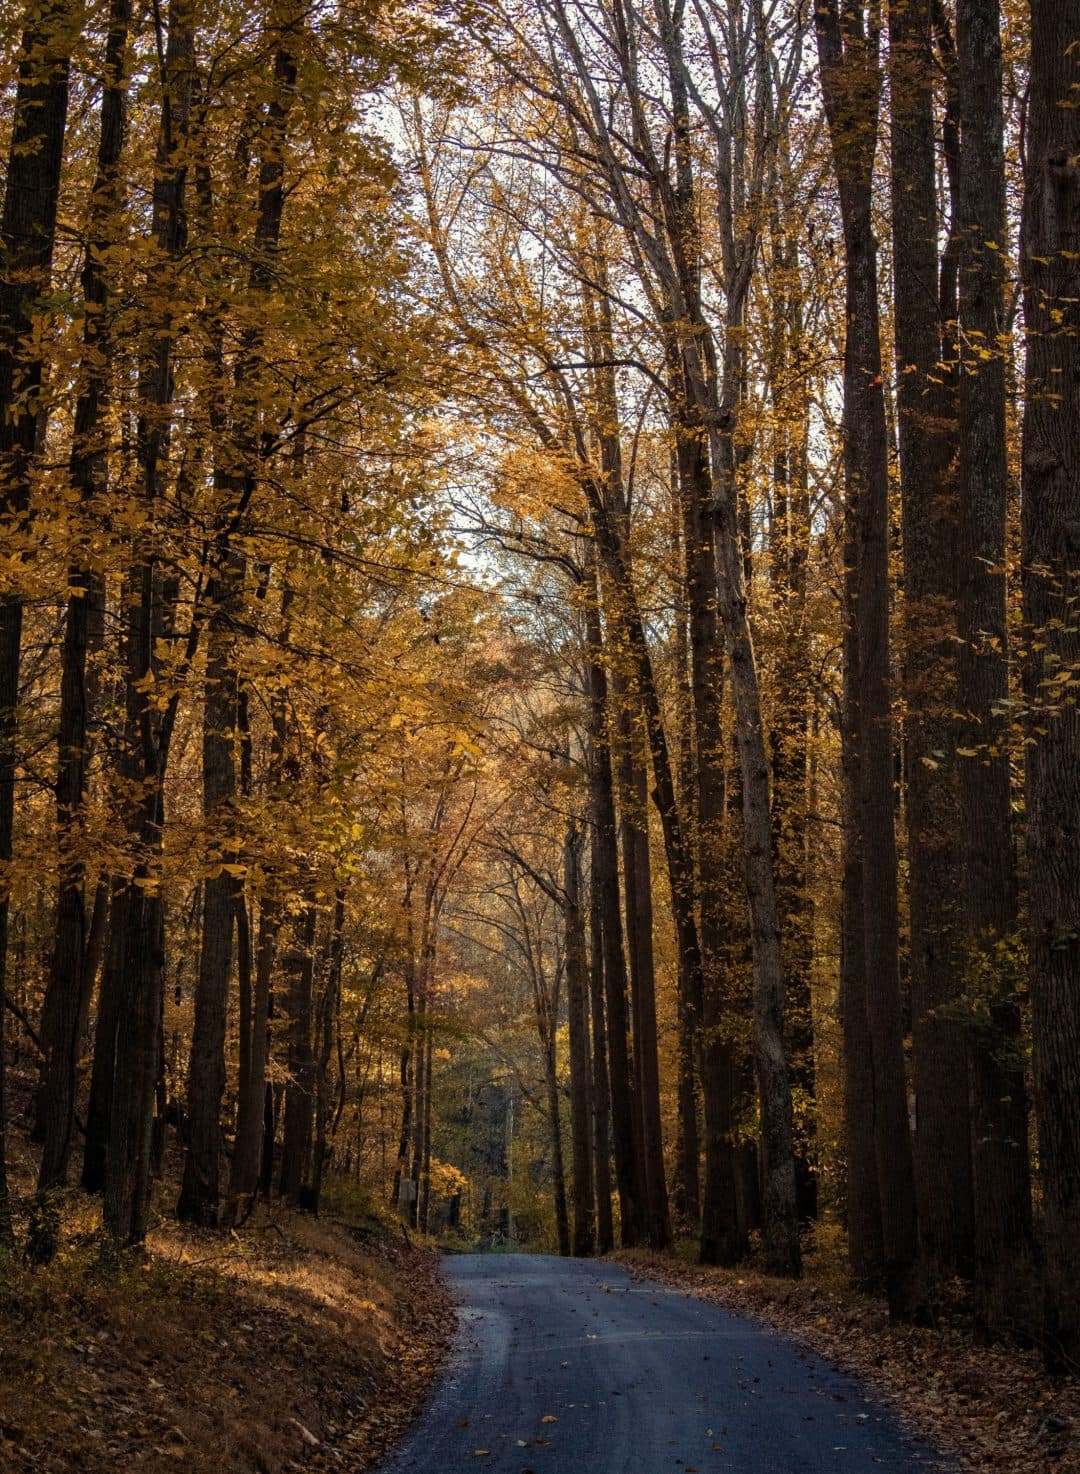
x=565, y=1366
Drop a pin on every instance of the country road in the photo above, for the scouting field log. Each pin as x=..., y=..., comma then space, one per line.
x=571, y=1367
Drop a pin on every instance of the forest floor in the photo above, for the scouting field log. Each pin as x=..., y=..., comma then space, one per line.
x=993, y=1408
x=293, y=1344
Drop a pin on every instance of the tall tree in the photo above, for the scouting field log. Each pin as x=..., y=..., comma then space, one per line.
x=148, y=729
x=27, y=239
x=223, y=891
x=1050, y=264
x=851, y=84
x=577, y=1008
x=989, y=899
x=73, y=965
x=926, y=414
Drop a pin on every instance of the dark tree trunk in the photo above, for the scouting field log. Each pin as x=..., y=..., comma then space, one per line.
x=1000, y=1169
x=606, y=899
x=424, y=1196
x=633, y=737
x=713, y=1001
x=255, y=1099
x=686, y=1179
x=926, y=409
x=405, y=1059
x=600, y=1093
x=632, y=786
x=199, y=1194
x=789, y=549
x=851, y=83
x=136, y=1044
x=71, y=976
x=99, y=1108
x=1050, y=263
x=244, y=1178
x=420, y=1059
x=558, y=1168
x=300, y=1089
x=329, y=1025
x=27, y=236
x=577, y=1010
x=863, y=1201
x=199, y=1201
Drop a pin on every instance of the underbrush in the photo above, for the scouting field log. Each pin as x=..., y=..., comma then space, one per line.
x=293, y=1343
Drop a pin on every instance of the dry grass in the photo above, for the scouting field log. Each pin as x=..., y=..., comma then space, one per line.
x=992, y=1407
x=293, y=1344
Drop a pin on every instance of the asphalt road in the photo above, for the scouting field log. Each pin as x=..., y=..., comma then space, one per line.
x=571, y=1367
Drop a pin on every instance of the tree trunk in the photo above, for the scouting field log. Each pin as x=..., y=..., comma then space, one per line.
x=99, y=1107
x=1050, y=264
x=27, y=237
x=851, y=83
x=328, y=1027
x=1000, y=1169
x=300, y=1089
x=721, y=1241
x=631, y=781
x=558, y=1169
x=199, y=1201
x=926, y=410
x=577, y=1009
x=789, y=550
x=127, y=1168
x=244, y=1178
x=686, y=1179
x=600, y=1093
x=629, y=746
x=70, y=978
x=606, y=898
x=866, y=1250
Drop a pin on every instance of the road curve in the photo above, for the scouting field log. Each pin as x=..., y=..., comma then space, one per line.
x=566, y=1366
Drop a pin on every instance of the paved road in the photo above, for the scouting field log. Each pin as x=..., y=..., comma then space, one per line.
x=570, y=1367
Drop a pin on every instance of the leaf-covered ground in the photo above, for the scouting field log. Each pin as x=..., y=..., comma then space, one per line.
x=993, y=1407
x=292, y=1345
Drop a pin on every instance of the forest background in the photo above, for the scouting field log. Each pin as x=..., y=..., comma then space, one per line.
x=538, y=629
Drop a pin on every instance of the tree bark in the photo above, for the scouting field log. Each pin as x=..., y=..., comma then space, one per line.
x=713, y=1002
x=27, y=238
x=866, y=1251
x=601, y=1090
x=851, y=83
x=136, y=1044
x=244, y=1178
x=629, y=747
x=577, y=1009
x=606, y=898
x=1050, y=266
x=296, y=1145
x=989, y=902
x=70, y=978
x=926, y=411
x=199, y=1201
